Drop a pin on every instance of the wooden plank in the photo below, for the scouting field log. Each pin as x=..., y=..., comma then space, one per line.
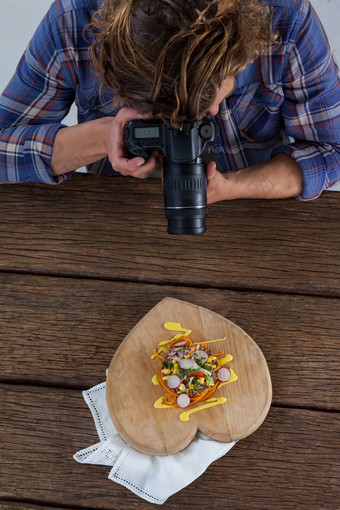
x=64, y=331
x=292, y=461
x=115, y=228
x=17, y=505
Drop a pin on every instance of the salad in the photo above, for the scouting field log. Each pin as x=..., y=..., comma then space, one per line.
x=190, y=372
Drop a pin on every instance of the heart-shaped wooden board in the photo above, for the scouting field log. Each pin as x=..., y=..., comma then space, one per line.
x=131, y=394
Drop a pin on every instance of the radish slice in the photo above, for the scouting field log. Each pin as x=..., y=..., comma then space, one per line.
x=202, y=355
x=174, y=382
x=186, y=364
x=183, y=400
x=180, y=344
x=224, y=374
x=176, y=358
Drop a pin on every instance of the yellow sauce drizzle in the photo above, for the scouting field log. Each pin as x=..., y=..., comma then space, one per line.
x=211, y=341
x=226, y=359
x=155, y=380
x=175, y=326
x=160, y=405
x=210, y=403
x=233, y=378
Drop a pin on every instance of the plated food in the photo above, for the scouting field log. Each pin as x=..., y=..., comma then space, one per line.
x=135, y=392
x=190, y=372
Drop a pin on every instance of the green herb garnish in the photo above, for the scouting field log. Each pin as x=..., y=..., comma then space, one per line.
x=210, y=379
x=166, y=364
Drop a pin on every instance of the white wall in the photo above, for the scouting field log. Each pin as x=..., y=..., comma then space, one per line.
x=19, y=18
x=329, y=13
x=18, y=21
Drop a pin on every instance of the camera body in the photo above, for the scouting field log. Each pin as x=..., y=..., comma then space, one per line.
x=184, y=175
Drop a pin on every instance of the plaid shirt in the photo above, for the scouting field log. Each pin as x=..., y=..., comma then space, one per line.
x=286, y=101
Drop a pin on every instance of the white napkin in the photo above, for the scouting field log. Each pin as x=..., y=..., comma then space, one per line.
x=153, y=478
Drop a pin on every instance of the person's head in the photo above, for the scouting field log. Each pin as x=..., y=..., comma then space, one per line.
x=172, y=56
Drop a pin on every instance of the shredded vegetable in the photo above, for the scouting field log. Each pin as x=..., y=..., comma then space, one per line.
x=198, y=382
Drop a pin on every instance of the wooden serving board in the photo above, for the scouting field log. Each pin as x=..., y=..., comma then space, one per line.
x=131, y=393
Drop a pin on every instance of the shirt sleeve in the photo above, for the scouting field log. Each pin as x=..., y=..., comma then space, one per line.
x=32, y=107
x=311, y=109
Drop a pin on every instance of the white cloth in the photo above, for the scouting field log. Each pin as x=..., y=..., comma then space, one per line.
x=153, y=478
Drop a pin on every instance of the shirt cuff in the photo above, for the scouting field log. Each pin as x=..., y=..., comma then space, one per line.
x=38, y=153
x=312, y=166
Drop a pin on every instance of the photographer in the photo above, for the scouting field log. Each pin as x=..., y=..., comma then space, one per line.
x=262, y=68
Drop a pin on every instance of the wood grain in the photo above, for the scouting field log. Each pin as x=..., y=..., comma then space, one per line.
x=12, y=505
x=65, y=331
x=131, y=395
x=115, y=228
x=292, y=461
x=104, y=259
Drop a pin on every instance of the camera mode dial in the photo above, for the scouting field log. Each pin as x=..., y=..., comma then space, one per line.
x=205, y=131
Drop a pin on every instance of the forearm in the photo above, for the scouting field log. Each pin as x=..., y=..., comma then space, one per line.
x=279, y=177
x=80, y=145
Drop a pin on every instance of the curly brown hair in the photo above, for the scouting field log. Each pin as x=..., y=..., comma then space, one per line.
x=171, y=56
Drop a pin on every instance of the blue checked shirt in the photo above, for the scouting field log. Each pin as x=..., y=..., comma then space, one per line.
x=286, y=101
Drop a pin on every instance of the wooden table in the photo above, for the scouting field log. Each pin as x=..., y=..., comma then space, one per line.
x=82, y=262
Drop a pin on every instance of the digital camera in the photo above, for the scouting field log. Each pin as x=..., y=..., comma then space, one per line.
x=184, y=173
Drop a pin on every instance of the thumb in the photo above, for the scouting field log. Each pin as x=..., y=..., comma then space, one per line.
x=211, y=170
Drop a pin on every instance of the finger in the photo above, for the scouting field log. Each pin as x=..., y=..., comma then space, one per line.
x=149, y=167
x=138, y=167
x=128, y=166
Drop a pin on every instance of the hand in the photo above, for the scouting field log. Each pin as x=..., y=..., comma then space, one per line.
x=216, y=184
x=135, y=167
x=279, y=177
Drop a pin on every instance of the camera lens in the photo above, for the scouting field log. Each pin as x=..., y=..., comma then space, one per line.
x=185, y=197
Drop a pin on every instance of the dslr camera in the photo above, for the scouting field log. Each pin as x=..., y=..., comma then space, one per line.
x=184, y=174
